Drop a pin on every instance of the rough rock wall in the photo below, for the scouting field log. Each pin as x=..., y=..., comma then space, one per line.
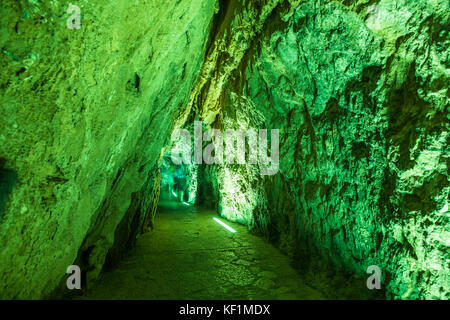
x=359, y=92
x=358, y=89
x=84, y=115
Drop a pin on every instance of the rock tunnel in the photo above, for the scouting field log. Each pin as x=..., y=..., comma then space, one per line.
x=100, y=99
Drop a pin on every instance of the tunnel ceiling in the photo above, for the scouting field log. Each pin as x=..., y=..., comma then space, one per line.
x=357, y=89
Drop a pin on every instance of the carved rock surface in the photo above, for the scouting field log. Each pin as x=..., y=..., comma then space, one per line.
x=84, y=115
x=357, y=89
x=360, y=95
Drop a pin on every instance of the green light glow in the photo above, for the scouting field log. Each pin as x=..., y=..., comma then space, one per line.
x=224, y=225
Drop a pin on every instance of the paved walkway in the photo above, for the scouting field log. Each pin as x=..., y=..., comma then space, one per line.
x=190, y=256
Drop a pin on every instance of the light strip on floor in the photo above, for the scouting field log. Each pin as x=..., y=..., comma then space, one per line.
x=185, y=203
x=224, y=225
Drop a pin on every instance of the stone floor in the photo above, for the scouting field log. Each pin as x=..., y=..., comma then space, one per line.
x=190, y=256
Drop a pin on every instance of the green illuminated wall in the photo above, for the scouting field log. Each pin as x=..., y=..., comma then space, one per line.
x=359, y=93
x=84, y=115
x=358, y=90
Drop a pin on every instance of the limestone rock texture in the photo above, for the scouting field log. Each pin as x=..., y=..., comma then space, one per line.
x=84, y=116
x=359, y=91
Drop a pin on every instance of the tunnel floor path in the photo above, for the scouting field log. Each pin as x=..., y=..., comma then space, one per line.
x=190, y=256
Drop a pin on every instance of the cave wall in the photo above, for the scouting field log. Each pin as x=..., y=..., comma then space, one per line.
x=359, y=92
x=84, y=115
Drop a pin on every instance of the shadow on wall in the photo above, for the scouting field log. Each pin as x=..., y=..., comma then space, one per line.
x=8, y=178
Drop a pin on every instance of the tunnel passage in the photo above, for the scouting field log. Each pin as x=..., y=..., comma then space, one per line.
x=178, y=181
x=357, y=89
x=188, y=255
x=195, y=253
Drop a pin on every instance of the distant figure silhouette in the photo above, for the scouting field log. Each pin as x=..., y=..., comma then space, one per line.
x=180, y=182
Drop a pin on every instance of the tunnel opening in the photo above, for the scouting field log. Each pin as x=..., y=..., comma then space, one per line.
x=355, y=91
x=195, y=252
